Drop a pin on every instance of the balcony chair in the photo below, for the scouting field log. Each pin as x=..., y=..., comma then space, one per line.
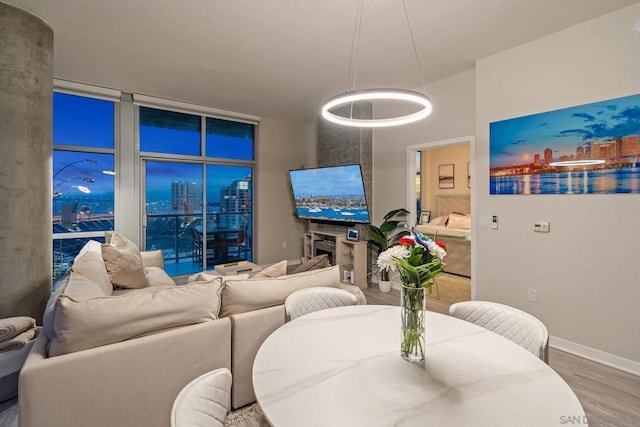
x=204, y=401
x=196, y=238
x=237, y=243
x=308, y=300
x=516, y=325
x=216, y=246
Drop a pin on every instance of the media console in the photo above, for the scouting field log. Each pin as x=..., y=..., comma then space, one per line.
x=350, y=255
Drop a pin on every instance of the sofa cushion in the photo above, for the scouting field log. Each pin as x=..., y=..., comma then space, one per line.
x=124, y=262
x=153, y=258
x=75, y=285
x=90, y=264
x=275, y=270
x=158, y=277
x=239, y=296
x=148, y=290
x=84, y=324
x=317, y=262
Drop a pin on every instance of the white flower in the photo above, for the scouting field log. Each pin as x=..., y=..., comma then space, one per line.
x=435, y=250
x=385, y=259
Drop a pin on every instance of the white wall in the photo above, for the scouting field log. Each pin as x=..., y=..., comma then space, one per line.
x=282, y=145
x=586, y=268
x=453, y=115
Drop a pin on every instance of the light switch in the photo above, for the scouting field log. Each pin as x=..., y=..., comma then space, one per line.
x=485, y=222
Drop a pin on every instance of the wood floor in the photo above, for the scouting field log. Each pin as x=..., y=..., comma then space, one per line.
x=609, y=397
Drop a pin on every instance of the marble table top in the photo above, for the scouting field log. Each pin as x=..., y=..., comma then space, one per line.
x=342, y=367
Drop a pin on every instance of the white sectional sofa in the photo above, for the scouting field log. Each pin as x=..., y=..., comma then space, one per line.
x=119, y=357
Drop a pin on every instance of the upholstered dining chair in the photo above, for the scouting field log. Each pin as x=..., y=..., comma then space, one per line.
x=516, y=325
x=204, y=401
x=308, y=300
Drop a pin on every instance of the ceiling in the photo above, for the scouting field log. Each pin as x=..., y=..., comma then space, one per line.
x=283, y=58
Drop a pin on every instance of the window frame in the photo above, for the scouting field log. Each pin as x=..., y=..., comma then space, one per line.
x=92, y=92
x=201, y=159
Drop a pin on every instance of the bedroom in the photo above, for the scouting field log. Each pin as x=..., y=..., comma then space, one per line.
x=443, y=196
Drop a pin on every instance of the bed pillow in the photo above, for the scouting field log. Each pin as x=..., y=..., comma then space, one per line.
x=439, y=220
x=459, y=221
x=124, y=263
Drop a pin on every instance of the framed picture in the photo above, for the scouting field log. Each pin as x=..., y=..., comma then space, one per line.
x=445, y=176
x=468, y=174
x=352, y=234
x=425, y=216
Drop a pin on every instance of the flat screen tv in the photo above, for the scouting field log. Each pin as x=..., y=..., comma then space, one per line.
x=331, y=194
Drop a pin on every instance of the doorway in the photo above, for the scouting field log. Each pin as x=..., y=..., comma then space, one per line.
x=440, y=183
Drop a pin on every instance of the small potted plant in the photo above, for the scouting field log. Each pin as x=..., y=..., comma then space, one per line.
x=384, y=236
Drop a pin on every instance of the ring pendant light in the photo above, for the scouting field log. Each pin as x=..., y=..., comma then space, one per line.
x=349, y=97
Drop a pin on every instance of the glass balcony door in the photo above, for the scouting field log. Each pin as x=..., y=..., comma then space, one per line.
x=175, y=196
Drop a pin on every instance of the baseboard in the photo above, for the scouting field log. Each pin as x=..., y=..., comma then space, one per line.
x=595, y=355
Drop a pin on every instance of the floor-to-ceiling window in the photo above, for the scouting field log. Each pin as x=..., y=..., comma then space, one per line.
x=84, y=135
x=180, y=181
x=198, y=188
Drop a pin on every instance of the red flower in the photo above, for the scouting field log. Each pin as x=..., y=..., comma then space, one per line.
x=406, y=241
x=439, y=243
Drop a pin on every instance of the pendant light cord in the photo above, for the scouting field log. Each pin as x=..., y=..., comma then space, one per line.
x=415, y=51
x=355, y=47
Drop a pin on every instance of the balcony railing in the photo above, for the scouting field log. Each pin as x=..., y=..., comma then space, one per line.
x=182, y=248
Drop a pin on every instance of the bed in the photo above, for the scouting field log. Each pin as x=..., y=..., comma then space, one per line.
x=452, y=226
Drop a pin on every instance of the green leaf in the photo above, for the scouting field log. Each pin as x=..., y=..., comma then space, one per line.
x=391, y=214
x=388, y=226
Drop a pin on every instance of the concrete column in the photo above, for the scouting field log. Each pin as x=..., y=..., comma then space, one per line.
x=26, y=85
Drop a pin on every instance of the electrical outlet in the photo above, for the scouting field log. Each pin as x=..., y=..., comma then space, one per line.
x=494, y=222
x=532, y=295
x=541, y=227
x=284, y=244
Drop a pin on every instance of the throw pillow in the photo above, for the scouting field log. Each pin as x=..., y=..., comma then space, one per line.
x=124, y=263
x=91, y=265
x=320, y=261
x=80, y=325
x=239, y=296
x=275, y=270
x=460, y=221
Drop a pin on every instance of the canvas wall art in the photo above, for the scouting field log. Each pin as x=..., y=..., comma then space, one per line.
x=587, y=149
x=446, y=178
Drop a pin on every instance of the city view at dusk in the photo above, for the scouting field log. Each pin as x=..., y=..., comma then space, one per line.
x=592, y=148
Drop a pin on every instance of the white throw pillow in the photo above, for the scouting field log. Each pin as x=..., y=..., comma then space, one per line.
x=123, y=262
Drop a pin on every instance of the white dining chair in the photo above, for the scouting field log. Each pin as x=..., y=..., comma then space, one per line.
x=518, y=326
x=204, y=401
x=308, y=300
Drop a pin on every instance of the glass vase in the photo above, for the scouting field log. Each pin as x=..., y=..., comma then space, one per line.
x=412, y=307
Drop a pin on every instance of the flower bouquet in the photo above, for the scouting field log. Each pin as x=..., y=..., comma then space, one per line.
x=418, y=260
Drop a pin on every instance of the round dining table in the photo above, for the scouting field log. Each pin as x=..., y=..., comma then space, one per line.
x=342, y=367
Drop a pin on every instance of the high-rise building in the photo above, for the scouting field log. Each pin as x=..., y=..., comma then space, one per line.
x=235, y=204
x=186, y=197
x=536, y=159
x=548, y=156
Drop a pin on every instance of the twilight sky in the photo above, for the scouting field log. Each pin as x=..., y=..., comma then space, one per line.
x=329, y=181
x=516, y=141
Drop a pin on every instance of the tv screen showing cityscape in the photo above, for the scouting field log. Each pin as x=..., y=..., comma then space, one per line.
x=334, y=194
